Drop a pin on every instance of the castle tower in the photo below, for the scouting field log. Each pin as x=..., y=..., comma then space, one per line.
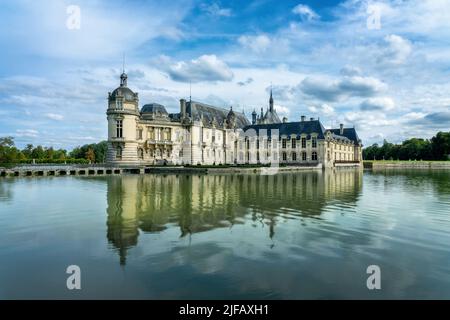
x=122, y=115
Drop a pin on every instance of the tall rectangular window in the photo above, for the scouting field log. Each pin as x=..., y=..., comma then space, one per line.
x=303, y=143
x=283, y=143
x=119, y=129
x=314, y=142
x=119, y=104
x=294, y=143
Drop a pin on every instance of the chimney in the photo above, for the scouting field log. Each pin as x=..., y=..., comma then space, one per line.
x=341, y=129
x=284, y=119
x=311, y=119
x=303, y=118
x=183, y=108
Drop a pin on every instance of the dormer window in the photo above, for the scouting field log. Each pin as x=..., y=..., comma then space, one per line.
x=119, y=104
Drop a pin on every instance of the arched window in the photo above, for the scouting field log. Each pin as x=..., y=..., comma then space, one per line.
x=314, y=156
x=303, y=156
x=141, y=154
x=119, y=153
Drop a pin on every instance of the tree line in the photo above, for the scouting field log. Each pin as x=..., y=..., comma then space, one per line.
x=436, y=148
x=88, y=153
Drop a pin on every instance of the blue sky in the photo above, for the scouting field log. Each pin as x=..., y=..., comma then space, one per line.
x=381, y=66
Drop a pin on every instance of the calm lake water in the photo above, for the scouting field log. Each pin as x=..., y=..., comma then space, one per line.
x=285, y=236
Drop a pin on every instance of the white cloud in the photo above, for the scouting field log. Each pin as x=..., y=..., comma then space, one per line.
x=54, y=116
x=215, y=10
x=305, y=12
x=324, y=109
x=29, y=133
x=258, y=44
x=378, y=103
x=204, y=68
x=329, y=89
x=282, y=110
x=397, y=51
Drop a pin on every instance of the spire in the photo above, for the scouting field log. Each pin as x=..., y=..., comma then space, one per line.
x=123, y=63
x=271, y=99
x=190, y=91
x=123, y=76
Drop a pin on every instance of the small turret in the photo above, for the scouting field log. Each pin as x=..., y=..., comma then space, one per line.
x=123, y=79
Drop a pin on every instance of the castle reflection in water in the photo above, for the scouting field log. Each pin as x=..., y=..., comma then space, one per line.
x=199, y=203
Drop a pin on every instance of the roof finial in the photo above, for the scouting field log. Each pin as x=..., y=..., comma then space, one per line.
x=123, y=76
x=123, y=63
x=190, y=91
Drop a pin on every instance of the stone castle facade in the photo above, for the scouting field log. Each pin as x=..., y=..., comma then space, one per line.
x=207, y=135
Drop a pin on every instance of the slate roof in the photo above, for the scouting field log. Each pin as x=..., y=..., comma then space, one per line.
x=271, y=117
x=289, y=128
x=349, y=133
x=196, y=109
x=153, y=108
x=125, y=92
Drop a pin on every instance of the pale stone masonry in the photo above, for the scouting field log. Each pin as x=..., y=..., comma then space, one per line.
x=208, y=135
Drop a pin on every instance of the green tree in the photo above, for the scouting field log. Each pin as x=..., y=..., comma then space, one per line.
x=38, y=153
x=441, y=145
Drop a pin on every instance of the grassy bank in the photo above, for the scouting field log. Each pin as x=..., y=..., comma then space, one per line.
x=368, y=164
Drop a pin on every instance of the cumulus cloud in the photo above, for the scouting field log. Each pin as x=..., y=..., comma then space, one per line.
x=397, y=50
x=281, y=110
x=281, y=92
x=258, y=43
x=435, y=120
x=54, y=116
x=305, y=12
x=378, y=103
x=323, y=108
x=204, y=68
x=327, y=89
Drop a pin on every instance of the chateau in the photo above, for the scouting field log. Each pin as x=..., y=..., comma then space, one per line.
x=208, y=135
